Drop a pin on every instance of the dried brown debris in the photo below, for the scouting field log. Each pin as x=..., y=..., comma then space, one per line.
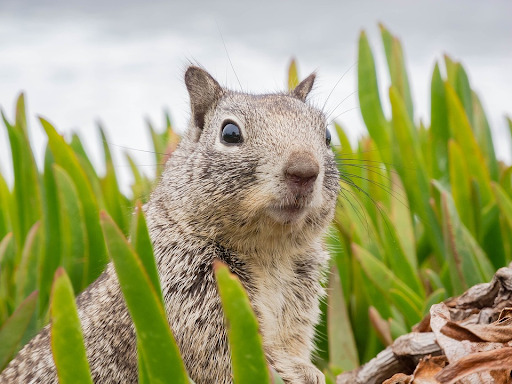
x=464, y=340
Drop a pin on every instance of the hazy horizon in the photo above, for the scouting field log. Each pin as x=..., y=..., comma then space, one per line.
x=120, y=62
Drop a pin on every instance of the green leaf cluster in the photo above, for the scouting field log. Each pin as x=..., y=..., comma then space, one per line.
x=425, y=212
x=425, y=208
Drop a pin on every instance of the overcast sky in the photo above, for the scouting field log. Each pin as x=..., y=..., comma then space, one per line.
x=123, y=61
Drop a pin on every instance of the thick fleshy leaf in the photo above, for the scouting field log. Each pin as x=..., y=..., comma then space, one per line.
x=463, y=90
x=406, y=306
x=65, y=157
x=142, y=245
x=293, y=75
x=342, y=346
x=463, y=264
x=509, y=122
x=142, y=185
x=27, y=271
x=5, y=203
x=86, y=164
x=483, y=135
x=461, y=130
x=439, y=128
x=406, y=300
x=461, y=185
x=402, y=220
x=345, y=149
x=160, y=353
x=15, y=327
x=66, y=334
x=396, y=66
x=369, y=99
x=504, y=203
x=247, y=357
x=52, y=233
x=26, y=193
x=397, y=260
x=73, y=240
x=412, y=172
x=114, y=199
x=6, y=268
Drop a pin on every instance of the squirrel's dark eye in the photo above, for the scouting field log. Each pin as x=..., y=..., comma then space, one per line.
x=231, y=133
x=327, y=137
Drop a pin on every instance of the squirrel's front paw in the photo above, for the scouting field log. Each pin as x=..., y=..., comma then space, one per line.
x=302, y=372
x=312, y=375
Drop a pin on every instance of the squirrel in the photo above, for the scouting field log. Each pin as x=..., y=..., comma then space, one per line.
x=253, y=183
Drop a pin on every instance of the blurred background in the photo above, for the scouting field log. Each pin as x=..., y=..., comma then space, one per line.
x=122, y=62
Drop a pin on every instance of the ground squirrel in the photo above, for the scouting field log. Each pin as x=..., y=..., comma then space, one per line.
x=253, y=183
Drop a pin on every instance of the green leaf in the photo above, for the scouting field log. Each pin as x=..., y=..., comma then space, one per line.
x=439, y=128
x=113, y=196
x=142, y=245
x=463, y=90
x=73, y=236
x=6, y=268
x=483, y=135
x=461, y=186
x=142, y=366
x=461, y=130
x=345, y=149
x=66, y=335
x=435, y=297
x=397, y=260
x=369, y=99
x=509, y=122
x=293, y=75
x=86, y=164
x=276, y=379
x=504, y=203
x=386, y=281
x=340, y=254
x=21, y=119
x=433, y=279
x=463, y=267
x=27, y=270
x=66, y=158
x=406, y=306
x=396, y=65
x=141, y=186
x=52, y=232
x=342, y=346
x=160, y=353
x=14, y=328
x=164, y=144
x=26, y=193
x=5, y=203
x=413, y=173
x=247, y=357
x=402, y=220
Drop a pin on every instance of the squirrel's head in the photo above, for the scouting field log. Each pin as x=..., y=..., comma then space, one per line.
x=254, y=165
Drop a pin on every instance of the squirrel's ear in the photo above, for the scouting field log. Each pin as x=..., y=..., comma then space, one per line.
x=302, y=90
x=204, y=92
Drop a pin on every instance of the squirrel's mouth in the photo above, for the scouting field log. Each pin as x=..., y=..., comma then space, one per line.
x=287, y=213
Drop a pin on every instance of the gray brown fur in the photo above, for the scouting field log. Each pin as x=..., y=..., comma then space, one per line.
x=236, y=203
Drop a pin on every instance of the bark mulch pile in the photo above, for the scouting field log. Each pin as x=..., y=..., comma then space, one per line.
x=464, y=340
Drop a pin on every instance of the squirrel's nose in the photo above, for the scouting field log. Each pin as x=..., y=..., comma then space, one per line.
x=301, y=171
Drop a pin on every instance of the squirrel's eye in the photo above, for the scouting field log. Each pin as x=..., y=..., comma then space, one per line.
x=231, y=133
x=327, y=137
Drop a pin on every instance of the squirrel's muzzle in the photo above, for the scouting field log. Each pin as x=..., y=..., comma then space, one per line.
x=300, y=172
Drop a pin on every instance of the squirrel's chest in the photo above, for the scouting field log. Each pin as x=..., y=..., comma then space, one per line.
x=279, y=295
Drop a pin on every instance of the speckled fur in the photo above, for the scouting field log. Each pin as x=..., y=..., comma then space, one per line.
x=219, y=201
